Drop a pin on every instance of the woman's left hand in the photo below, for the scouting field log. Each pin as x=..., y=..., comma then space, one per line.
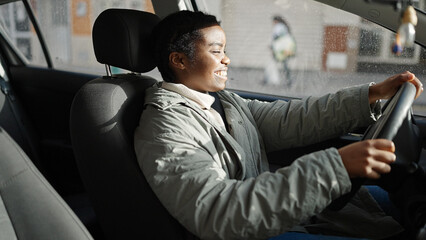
x=388, y=88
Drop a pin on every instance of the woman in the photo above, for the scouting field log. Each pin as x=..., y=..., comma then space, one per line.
x=210, y=170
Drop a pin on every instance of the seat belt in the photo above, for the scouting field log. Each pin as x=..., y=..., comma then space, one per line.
x=14, y=106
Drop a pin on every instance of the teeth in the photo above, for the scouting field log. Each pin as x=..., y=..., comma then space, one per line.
x=222, y=73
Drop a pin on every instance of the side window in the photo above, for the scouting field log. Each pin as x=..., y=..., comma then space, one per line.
x=304, y=48
x=18, y=29
x=66, y=26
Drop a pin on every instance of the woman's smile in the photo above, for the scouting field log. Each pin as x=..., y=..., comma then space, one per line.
x=223, y=74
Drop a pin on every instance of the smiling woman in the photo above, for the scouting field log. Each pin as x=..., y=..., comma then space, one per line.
x=209, y=167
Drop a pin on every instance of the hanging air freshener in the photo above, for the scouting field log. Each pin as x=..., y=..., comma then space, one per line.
x=406, y=33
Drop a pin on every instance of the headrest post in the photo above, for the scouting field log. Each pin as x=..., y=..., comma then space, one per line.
x=108, y=70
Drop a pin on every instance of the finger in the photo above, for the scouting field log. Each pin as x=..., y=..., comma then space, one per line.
x=418, y=85
x=410, y=77
x=384, y=156
x=400, y=78
x=372, y=174
x=383, y=144
x=407, y=76
x=380, y=167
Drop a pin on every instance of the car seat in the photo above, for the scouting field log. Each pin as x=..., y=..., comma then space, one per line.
x=104, y=115
x=29, y=206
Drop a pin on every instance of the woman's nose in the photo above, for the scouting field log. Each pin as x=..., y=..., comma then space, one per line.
x=226, y=60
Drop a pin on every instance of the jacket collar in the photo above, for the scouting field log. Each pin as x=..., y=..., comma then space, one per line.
x=204, y=100
x=163, y=99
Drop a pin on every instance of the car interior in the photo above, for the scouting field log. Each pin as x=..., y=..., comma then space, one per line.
x=67, y=165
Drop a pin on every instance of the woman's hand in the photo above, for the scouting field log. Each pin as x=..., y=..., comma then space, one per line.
x=388, y=88
x=369, y=158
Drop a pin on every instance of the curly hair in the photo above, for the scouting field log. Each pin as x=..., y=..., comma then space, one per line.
x=178, y=32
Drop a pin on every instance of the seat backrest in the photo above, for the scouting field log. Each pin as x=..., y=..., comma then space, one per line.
x=29, y=206
x=104, y=115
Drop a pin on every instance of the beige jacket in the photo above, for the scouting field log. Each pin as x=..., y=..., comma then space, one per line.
x=217, y=184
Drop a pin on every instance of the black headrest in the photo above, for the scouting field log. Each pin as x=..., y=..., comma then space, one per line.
x=121, y=39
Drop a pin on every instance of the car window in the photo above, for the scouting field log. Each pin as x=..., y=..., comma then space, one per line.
x=66, y=27
x=16, y=27
x=326, y=48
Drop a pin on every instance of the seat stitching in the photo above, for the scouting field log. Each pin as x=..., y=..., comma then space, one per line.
x=12, y=178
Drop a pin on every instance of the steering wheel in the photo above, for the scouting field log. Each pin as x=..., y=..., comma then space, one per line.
x=396, y=124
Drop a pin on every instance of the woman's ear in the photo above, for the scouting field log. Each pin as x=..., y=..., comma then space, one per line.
x=176, y=60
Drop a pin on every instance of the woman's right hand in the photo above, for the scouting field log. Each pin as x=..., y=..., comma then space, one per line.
x=369, y=158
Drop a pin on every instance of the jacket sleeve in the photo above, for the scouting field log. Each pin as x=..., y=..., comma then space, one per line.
x=193, y=186
x=301, y=122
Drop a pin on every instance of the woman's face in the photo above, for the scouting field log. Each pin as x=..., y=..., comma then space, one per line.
x=207, y=72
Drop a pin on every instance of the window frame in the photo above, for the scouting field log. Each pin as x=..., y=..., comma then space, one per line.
x=14, y=54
